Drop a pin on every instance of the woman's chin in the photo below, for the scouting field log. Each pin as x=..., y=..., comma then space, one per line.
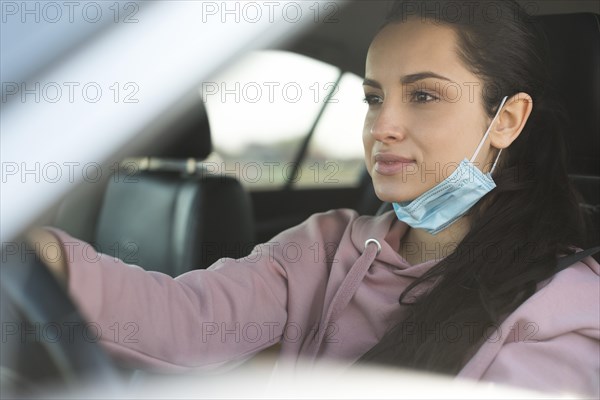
x=398, y=192
x=393, y=196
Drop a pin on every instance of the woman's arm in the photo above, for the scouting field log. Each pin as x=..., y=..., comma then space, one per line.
x=569, y=363
x=201, y=319
x=552, y=341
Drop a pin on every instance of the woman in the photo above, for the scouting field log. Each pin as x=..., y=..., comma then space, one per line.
x=459, y=278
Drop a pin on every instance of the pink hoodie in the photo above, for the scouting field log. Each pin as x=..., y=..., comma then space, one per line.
x=323, y=294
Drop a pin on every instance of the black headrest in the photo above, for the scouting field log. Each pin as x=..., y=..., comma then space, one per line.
x=173, y=225
x=574, y=51
x=188, y=137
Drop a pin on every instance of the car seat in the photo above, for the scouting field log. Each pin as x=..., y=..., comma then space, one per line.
x=166, y=212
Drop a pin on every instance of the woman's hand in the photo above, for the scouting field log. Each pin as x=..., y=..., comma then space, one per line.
x=50, y=252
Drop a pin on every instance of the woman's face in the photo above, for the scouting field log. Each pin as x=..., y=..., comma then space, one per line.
x=425, y=110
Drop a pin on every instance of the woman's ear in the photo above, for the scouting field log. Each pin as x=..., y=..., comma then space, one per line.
x=511, y=120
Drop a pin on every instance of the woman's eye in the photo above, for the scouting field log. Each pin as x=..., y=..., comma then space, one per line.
x=371, y=99
x=423, y=97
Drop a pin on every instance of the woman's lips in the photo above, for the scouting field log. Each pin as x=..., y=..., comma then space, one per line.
x=390, y=164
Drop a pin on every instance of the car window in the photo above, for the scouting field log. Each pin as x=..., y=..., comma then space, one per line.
x=262, y=110
x=335, y=152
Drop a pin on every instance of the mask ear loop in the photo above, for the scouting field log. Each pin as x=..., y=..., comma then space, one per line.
x=486, y=135
x=495, y=162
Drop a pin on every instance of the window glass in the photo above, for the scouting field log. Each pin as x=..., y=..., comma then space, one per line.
x=335, y=152
x=261, y=111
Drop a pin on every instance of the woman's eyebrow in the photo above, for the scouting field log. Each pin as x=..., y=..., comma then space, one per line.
x=412, y=78
x=408, y=79
x=372, y=83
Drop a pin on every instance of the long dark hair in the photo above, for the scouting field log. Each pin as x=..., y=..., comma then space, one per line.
x=519, y=229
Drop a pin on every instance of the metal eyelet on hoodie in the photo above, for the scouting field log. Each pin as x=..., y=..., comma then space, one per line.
x=373, y=241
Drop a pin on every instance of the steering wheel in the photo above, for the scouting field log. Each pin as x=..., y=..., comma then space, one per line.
x=45, y=340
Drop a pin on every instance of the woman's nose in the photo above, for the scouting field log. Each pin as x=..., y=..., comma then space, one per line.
x=387, y=126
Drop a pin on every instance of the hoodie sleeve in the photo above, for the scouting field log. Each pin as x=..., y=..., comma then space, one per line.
x=564, y=364
x=551, y=343
x=202, y=319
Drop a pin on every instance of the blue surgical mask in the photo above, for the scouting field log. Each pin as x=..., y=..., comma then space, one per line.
x=442, y=205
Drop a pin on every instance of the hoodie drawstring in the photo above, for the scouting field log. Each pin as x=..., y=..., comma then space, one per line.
x=345, y=293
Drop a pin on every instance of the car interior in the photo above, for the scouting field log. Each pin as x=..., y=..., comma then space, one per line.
x=168, y=212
